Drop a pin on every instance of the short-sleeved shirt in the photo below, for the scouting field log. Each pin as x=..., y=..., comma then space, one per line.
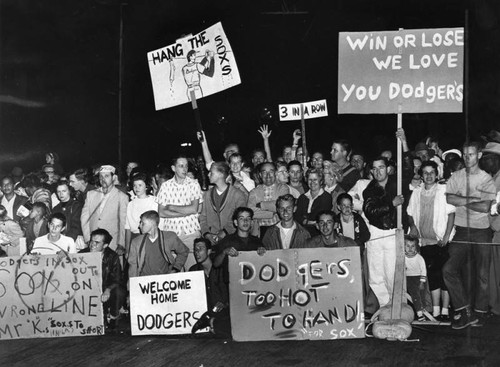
x=173, y=193
x=135, y=209
x=480, y=185
x=44, y=246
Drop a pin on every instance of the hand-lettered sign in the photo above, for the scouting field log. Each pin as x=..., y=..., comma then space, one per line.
x=296, y=294
x=203, y=64
x=311, y=110
x=43, y=296
x=406, y=71
x=167, y=304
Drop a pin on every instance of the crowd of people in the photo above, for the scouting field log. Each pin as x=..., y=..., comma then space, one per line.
x=197, y=212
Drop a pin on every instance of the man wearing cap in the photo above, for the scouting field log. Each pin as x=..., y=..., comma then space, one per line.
x=106, y=207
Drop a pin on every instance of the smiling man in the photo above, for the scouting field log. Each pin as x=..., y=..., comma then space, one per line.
x=287, y=233
x=327, y=237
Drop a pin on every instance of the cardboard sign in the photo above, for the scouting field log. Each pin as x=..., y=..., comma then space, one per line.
x=167, y=304
x=292, y=112
x=41, y=296
x=203, y=64
x=407, y=71
x=296, y=294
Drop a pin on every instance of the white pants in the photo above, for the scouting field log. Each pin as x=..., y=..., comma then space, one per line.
x=381, y=256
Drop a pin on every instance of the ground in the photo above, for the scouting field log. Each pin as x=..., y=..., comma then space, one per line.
x=427, y=346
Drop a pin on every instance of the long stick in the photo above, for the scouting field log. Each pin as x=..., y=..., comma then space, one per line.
x=197, y=117
x=303, y=126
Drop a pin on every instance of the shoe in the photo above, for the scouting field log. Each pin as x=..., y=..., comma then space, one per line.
x=463, y=318
x=202, y=323
x=443, y=318
x=481, y=318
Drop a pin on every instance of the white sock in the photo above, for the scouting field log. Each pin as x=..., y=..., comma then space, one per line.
x=435, y=311
x=444, y=311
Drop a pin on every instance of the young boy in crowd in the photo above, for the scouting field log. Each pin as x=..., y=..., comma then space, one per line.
x=416, y=276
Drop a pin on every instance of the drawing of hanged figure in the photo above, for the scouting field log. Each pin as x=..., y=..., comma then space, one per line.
x=192, y=72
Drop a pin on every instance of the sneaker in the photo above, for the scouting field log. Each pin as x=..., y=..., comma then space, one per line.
x=481, y=318
x=463, y=318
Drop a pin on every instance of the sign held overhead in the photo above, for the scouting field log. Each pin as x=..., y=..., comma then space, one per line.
x=203, y=63
x=292, y=112
x=406, y=71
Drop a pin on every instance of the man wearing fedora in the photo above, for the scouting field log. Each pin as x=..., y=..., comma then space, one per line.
x=106, y=207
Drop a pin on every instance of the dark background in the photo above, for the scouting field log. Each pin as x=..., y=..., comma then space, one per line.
x=59, y=74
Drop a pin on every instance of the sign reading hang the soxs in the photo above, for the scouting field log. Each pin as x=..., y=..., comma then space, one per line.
x=202, y=64
x=406, y=71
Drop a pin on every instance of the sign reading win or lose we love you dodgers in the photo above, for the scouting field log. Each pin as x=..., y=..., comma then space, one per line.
x=202, y=64
x=311, y=110
x=167, y=304
x=42, y=296
x=311, y=294
x=407, y=71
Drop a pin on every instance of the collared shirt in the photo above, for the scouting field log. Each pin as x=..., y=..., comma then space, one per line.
x=173, y=193
x=311, y=199
x=9, y=205
x=286, y=235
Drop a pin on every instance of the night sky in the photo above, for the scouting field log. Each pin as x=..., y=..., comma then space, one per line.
x=59, y=68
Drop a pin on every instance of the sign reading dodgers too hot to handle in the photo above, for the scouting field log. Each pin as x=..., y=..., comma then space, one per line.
x=296, y=294
x=311, y=110
x=406, y=71
x=202, y=64
x=167, y=304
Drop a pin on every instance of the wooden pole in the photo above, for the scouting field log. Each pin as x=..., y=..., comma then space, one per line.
x=197, y=117
x=303, y=127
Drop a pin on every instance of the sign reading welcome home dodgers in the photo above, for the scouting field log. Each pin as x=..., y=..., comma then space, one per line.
x=311, y=110
x=42, y=296
x=167, y=304
x=202, y=64
x=418, y=70
x=296, y=294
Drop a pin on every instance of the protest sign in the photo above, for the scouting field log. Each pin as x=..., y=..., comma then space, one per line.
x=41, y=296
x=202, y=64
x=311, y=110
x=406, y=71
x=296, y=294
x=167, y=304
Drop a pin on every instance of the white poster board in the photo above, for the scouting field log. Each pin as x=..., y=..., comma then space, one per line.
x=292, y=112
x=167, y=304
x=42, y=297
x=203, y=63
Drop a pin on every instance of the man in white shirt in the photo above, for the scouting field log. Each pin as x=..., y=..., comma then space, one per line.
x=54, y=242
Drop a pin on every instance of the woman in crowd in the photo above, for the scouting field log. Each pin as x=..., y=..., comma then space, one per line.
x=313, y=201
x=431, y=219
x=37, y=224
x=72, y=210
x=140, y=204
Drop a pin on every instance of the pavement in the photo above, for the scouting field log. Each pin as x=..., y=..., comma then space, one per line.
x=428, y=345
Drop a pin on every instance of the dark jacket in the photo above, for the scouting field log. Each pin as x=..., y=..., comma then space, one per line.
x=18, y=201
x=272, y=238
x=111, y=268
x=322, y=202
x=72, y=210
x=361, y=232
x=30, y=233
x=378, y=206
